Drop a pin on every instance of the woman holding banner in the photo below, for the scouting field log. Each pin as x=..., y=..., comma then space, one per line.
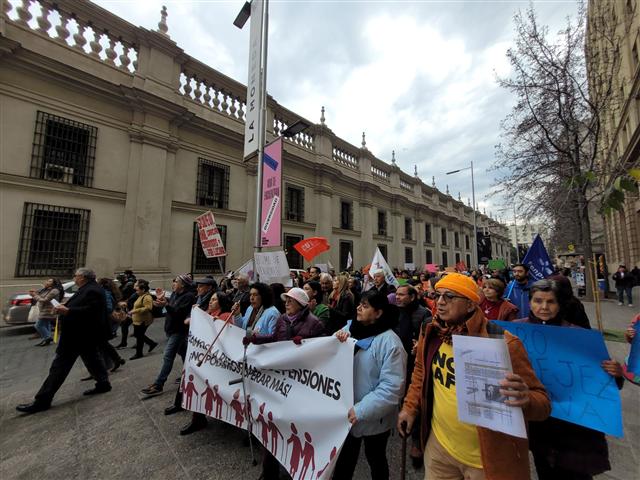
x=261, y=316
x=379, y=375
x=562, y=449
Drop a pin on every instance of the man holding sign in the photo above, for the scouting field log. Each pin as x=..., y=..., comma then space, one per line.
x=455, y=450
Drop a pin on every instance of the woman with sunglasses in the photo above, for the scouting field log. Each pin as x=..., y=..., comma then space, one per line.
x=562, y=449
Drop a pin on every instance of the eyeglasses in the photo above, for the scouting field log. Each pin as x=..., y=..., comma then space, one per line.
x=448, y=296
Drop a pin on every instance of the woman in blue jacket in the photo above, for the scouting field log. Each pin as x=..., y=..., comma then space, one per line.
x=261, y=316
x=379, y=367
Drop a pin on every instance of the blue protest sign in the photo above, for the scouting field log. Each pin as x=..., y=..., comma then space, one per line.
x=567, y=361
x=633, y=362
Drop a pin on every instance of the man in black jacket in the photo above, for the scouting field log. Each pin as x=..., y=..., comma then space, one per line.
x=83, y=322
x=624, y=284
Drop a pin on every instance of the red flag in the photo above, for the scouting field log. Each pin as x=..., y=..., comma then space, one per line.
x=461, y=267
x=310, y=248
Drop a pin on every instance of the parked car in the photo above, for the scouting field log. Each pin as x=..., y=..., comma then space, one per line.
x=16, y=310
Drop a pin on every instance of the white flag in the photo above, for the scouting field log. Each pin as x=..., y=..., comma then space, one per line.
x=379, y=263
x=246, y=269
x=349, y=261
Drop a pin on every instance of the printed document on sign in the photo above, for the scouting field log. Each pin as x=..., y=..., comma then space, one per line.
x=480, y=364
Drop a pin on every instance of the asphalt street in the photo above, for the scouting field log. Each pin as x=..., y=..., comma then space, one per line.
x=117, y=435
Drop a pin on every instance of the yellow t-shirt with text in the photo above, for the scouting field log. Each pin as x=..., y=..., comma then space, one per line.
x=459, y=439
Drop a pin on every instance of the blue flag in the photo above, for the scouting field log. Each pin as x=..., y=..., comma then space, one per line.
x=633, y=362
x=567, y=362
x=538, y=261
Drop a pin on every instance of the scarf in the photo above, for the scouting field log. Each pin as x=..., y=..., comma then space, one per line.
x=471, y=325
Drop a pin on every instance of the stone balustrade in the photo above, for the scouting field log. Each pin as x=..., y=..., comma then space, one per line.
x=221, y=98
x=405, y=185
x=302, y=139
x=379, y=173
x=344, y=155
x=78, y=24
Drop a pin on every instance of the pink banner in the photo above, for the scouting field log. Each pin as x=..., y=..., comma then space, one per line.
x=271, y=225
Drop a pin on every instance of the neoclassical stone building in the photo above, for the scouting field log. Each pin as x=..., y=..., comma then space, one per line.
x=113, y=139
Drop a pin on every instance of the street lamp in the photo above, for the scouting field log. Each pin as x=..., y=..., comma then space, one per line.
x=295, y=128
x=475, y=222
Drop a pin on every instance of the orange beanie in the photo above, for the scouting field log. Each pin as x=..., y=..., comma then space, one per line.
x=461, y=284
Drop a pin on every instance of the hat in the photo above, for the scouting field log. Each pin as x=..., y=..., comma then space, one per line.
x=206, y=281
x=298, y=294
x=460, y=284
x=185, y=279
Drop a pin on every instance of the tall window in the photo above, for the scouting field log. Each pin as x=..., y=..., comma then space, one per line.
x=53, y=240
x=445, y=259
x=382, y=223
x=456, y=239
x=466, y=241
x=346, y=216
x=468, y=261
x=383, y=251
x=408, y=255
x=427, y=233
x=457, y=258
x=63, y=150
x=212, y=189
x=346, y=246
x=429, y=256
x=294, y=204
x=294, y=259
x=408, y=228
x=202, y=264
x=443, y=235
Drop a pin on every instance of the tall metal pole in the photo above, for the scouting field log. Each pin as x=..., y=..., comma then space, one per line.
x=515, y=229
x=262, y=120
x=475, y=222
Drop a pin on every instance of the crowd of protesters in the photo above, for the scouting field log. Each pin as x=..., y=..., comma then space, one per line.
x=404, y=375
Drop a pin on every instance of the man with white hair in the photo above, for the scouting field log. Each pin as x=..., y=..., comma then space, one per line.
x=241, y=293
x=83, y=322
x=326, y=284
x=380, y=282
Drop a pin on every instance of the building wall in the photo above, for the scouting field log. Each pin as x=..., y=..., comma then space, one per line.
x=151, y=133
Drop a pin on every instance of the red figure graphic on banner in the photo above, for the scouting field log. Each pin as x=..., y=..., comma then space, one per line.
x=217, y=398
x=275, y=431
x=236, y=406
x=249, y=413
x=308, y=457
x=331, y=455
x=265, y=426
x=208, y=398
x=296, y=451
x=190, y=391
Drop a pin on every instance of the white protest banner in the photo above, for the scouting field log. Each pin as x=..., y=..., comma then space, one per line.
x=409, y=266
x=379, y=263
x=210, y=236
x=480, y=364
x=324, y=268
x=297, y=396
x=272, y=267
x=246, y=269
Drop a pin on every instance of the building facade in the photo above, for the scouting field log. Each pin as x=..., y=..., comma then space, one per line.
x=113, y=140
x=613, y=59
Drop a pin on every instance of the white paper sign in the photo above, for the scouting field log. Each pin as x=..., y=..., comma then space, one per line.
x=272, y=267
x=55, y=303
x=480, y=364
x=295, y=399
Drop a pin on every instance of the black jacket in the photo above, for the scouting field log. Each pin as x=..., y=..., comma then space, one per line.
x=178, y=310
x=86, y=322
x=410, y=323
x=623, y=280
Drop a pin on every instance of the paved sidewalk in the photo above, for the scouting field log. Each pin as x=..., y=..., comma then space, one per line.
x=118, y=436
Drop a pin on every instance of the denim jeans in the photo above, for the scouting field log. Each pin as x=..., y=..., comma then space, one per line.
x=621, y=292
x=173, y=347
x=43, y=327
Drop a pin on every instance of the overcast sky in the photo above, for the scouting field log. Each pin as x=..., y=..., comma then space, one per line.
x=418, y=77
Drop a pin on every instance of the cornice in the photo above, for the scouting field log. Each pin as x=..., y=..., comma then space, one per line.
x=219, y=213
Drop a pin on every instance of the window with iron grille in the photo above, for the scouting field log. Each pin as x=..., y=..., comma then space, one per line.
x=457, y=258
x=408, y=228
x=63, y=150
x=456, y=239
x=346, y=246
x=408, y=255
x=212, y=189
x=346, y=216
x=445, y=259
x=466, y=241
x=382, y=223
x=443, y=234
x=53, y=240
x=468, y=261
x=429, y=256
x=427, y=233
x=199, y=262
x=294, y=259
x=294, y=205
x=383, y=251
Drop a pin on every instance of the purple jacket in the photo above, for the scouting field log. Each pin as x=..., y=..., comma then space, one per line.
x=306, y=326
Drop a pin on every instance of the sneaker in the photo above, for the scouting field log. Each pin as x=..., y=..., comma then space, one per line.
x=152, y=390
x=620, y=304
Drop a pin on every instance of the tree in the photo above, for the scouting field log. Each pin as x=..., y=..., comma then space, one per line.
x=548, y=157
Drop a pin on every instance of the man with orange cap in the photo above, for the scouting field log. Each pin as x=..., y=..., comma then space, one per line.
x=454, y=450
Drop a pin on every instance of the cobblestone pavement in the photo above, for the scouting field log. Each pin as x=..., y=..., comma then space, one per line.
x=119, y=436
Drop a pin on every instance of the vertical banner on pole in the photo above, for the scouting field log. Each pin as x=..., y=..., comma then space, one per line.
x=271, y=224
x=253, y=84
